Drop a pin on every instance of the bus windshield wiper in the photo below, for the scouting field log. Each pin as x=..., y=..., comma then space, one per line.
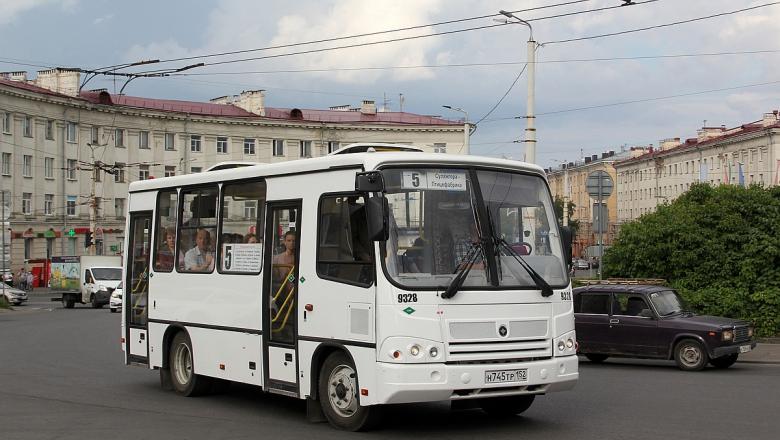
x=540, y=282
x=462, y=272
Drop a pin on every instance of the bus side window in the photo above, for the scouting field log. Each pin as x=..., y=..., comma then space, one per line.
x=241, y=227
x=344, y=252
x=198, y=230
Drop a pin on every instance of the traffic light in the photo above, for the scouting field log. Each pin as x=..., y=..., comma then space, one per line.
x=88, y=239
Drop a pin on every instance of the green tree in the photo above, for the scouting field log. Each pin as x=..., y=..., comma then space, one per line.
x=718, y=246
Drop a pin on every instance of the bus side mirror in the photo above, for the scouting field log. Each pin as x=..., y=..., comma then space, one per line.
x=370, y=181
x=566, y=236
x=377, y=215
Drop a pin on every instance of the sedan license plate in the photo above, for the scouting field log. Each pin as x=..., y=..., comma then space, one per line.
x=506, y=376
x=744, y=348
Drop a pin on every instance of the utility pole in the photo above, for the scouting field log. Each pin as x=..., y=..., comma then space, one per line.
x=530, y=128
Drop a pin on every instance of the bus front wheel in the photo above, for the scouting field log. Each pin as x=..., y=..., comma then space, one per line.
x=339, y=396
x=183, y=377
x=507, y=406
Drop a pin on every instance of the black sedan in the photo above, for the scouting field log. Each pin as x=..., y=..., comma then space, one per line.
x=649, y=321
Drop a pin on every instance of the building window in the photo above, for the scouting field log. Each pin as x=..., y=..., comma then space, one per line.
x=119, y=138
x=26, y=203
x=48, y=167
x=48, y=204
x=119, y=172
x=278, y=147
x=71, y=169
x=305, y=148
x=196, y=169
x=49, y=248
x=98, y=205
x=170, y=139
x=250, y=209
x=6, y=123
x=332, y=146
x=28, y=126
x=27, y=166
x=50, y=129
x=28, y=242
x=222, y=145
x=71, y=132
x=143, y=172
x=97, y=174
x=119, y=208
x=170, y=171
x=195, y=143
x=6, y=164
x=143, y=140
x=439, y=148
x=94, y=135
x=761, y=152
x=71, y=206
x=249, y=146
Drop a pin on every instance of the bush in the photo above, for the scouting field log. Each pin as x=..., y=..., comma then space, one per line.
x=718, y=246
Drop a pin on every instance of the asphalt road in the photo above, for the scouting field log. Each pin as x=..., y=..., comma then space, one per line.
x=62, y=377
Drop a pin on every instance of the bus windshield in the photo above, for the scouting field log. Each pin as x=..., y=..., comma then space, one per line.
x=442, y=218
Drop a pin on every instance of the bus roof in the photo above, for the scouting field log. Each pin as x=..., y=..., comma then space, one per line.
x=367, y=161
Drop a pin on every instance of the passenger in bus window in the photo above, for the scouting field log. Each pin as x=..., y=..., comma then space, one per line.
x=201, y=257
x=287, y=257
x=165, y=254
x=250, y=238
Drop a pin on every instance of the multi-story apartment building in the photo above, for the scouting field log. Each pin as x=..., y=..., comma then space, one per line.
x=65, y=151
x=569, y=180
x=744, y=155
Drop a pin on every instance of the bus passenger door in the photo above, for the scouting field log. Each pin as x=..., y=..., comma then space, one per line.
x=136, y=288
x=280, y=297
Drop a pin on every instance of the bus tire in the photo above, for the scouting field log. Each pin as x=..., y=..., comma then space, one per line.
x=182, y=368
x=507, y=406
x=339, y=396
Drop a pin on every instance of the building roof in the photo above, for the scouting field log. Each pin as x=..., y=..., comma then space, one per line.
x=694, y=143
x=228, y=110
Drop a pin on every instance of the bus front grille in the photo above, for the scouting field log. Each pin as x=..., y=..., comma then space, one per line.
x=499, y=350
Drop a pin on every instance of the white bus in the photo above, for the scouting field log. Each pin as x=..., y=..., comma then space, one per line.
x=353, y=280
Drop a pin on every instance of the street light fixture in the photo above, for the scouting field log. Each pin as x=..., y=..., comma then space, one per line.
x=530, y=130
x=468, y=129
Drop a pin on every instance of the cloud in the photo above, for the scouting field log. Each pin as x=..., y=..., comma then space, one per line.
x=11, y=9
x=102, y=19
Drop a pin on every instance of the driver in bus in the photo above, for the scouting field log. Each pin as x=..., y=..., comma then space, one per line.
x=201, y=257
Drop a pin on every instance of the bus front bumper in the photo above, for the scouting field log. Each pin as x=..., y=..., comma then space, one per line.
x=406, y=383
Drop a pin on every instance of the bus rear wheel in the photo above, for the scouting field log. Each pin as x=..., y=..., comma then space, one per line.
x=339, y=397
x=183, y=377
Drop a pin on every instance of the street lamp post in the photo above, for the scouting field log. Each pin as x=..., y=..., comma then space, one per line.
x=530, y=129
x=466, y=126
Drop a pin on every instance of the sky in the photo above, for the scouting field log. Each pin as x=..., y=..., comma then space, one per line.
x=592, y=95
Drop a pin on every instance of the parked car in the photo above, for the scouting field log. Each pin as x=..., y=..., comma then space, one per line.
x=115, y=301
x=13, y=295
x=649, y=321
x=581, y=264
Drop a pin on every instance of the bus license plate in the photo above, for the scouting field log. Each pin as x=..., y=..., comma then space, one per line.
x=506, y=376
x=744, y=349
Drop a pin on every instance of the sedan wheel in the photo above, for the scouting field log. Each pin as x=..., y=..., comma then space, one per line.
x=690, y=355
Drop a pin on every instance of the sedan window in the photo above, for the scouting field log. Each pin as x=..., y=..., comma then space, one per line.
x=595, y=304
x=629, y=305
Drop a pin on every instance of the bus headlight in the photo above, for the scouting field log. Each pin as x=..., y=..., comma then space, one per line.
x=405, y=350
x=566, y=344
